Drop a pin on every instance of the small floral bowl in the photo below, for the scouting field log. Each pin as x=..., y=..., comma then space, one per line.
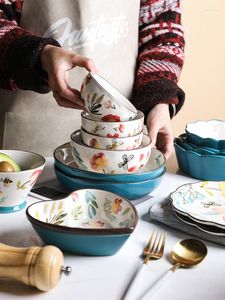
x=109, y=161
x=111, y=143
x=113, y=129
x=15, y=186
x=88, y=221
x=104, y=102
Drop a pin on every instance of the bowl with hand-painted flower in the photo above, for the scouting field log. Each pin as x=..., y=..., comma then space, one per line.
x=111, y=143
x=15, y=185
x=113, y=129
x=109, y=161
x=88, y=221
x=104, y=102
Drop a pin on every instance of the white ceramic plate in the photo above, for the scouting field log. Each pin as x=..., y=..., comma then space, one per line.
x=206, y=228
x=204, y=201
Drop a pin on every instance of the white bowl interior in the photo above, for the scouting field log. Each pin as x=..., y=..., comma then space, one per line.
x=214, y=129
x=92, y=209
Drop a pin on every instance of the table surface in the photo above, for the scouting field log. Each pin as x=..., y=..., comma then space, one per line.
x=106, y=278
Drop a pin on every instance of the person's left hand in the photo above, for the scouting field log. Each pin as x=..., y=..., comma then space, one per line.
x=160, y=129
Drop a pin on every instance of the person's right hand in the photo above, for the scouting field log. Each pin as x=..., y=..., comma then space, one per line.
x=57, y=62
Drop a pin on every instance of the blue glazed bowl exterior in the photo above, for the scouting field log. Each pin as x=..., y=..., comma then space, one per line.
x=94, y=245
x=204, y=167
x=129, y=190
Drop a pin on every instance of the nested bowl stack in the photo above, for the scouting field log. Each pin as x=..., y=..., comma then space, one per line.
x=200, y=150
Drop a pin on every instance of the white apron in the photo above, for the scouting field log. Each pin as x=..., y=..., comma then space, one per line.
x=103, y=30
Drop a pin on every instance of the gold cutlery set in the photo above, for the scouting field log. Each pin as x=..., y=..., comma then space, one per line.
x=185, y=253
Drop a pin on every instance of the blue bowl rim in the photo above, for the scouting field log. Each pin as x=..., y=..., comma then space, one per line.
x=68, y=145
x=83, y=231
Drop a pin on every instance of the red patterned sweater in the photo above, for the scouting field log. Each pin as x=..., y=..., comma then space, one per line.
x=160, y=59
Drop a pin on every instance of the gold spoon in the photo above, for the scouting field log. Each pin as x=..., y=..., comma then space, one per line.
x=186, y=253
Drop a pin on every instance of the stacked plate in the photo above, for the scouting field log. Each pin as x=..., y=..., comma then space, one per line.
x=129, y=185
x=201, y=205
x=200, y=150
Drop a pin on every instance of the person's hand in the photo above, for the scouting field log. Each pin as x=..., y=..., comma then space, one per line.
x=57, y=62
x=160, y=129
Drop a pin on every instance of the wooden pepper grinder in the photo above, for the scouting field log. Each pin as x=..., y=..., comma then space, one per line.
x=40, y=267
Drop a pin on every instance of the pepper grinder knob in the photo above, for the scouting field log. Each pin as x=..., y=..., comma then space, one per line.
x=40, y=267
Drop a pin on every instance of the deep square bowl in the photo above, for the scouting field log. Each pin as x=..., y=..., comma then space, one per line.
x=88, y=221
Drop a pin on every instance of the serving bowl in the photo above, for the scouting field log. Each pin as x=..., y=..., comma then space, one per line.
x=109, y=161
x=64, y=162
x=88, y=221
x=111, y=143
x=15, y=186
x=113, y=129
x=204, y=167
x=130, y=190
x=209, y=133
x=105, y=102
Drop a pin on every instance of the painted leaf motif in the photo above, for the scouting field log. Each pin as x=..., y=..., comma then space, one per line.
x=91, y=211
x=222, y=187
x=126, y=210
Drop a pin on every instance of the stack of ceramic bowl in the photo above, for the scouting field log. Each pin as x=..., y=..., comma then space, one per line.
x=201, y=205
x=110, y=151
x=201, y=150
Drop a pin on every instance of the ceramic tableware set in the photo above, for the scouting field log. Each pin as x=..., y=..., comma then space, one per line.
x=202, y=205
x=200, y=150
x=110, y=151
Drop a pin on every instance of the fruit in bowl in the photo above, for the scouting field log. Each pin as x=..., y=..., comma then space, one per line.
x=19, y=173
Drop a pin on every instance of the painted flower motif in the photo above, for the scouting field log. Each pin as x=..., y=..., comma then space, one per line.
x=98, y=161
x=74, y=196
x=94, y=143
x=34, y=176
x=107, y=104
x=121, y=128
x=133, y=169
x=141, y=157
x=116, y=135
x=111, y=118
x=116, y=206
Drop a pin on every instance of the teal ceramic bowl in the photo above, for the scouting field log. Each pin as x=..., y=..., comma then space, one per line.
x=209, y=133
x=88, y=222
x=129, y=190
x=64, y=162
x=204, y=167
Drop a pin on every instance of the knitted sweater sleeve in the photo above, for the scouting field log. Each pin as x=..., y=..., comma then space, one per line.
x=20, y=65
x=161, y=55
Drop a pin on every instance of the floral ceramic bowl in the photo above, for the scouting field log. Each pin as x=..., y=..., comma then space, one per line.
x=207, y=133
x=111, y=143
x=113, y=129
x=64, y=162
x=15, y=186
x=88, y=221
x=204, y=167
x=109, y=161
x=104, y=102
x=130, y=190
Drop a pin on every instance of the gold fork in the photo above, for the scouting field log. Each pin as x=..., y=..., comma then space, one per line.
x=153, y=250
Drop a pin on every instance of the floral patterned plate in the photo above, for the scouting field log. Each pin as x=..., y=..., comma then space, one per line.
x=88, y=221
x=203, y=201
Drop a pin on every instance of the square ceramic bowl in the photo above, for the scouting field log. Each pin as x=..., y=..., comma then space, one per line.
x=15, y=186
x=110, y=161
x=209, y=133
x=113, y=129
x=111, y=143
x=104, y=102
x=63, y=160
x=88, y=221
